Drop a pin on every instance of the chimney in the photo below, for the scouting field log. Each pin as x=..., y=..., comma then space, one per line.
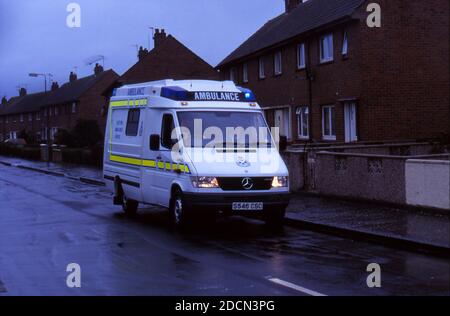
x=55, y=86
x=72, y=76
x=291, y=4
x=142, y=53
x=98, y=69
x=22, y=92
x=4, y=100
x=159, y=37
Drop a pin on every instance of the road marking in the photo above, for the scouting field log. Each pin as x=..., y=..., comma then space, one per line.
x=295, y=287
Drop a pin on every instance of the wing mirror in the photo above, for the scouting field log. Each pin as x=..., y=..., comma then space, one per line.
x=154, y=142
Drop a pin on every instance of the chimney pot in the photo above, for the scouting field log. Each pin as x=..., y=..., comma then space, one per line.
x=142, y=53
x=55, y=86
x=4, y=100
x=291, y=4
x=159, y=37
x=72, y=77
x=98, y=69
x=22, y=92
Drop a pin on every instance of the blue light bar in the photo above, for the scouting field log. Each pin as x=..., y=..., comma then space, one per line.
x=248, y=94
x=174, y=93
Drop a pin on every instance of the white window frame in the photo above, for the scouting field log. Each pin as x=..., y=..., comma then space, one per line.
x=262, y=68
x=300, y=112
x=74, y=108
x=245, y=73
x=301, y=56
x=38, y=116
x=21, y=118
x=56, y=110
x=326, y=46
x=330, y=136
x=30, y=117
x=278, y=63
x=345, y=44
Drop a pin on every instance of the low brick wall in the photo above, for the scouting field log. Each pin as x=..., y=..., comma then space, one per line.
x=380, y=178
x=296, y=165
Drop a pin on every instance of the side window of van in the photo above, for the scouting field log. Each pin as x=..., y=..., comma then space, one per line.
x=133, y=122
x=166, y=131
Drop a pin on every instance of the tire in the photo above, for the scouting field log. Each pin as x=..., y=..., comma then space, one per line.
x=275, y=217
x=178, y=210
x=129, y=206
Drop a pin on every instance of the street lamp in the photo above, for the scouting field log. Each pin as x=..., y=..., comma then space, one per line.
x=47, y=129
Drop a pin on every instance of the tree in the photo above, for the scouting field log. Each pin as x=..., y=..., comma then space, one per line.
x=86, y=133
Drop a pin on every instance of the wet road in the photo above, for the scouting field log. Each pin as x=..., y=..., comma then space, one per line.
x=47, y=222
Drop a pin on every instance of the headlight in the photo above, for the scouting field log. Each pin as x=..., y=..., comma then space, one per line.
x=280, y=182
x=204, y=182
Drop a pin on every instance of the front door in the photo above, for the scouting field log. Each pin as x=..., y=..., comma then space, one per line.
x=350, y=122
x=282, y=122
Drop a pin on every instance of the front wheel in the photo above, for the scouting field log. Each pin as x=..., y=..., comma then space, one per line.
x=178, y=210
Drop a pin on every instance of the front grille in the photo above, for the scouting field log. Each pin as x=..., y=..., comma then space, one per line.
x=235, y=184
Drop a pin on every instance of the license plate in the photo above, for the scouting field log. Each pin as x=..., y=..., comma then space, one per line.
x=240, y=206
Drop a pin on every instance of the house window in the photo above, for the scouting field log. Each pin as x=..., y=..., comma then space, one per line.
x=303, y=122
x=38, y=116
x=328, y=122
x=74, y=107
x=245, y=73
x=326, y=48
x=262, y=68
x=277, y=63
x=53, y=132
x=30, y=117
x=21, y=118
x=56, y=111
x=301, y=56
x=345, y=44
x=133, y=122
x=7, y=120
x=233, y=74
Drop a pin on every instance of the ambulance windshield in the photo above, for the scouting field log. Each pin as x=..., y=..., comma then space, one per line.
x=224, y=129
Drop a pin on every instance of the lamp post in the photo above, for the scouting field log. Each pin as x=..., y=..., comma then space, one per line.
x=47, y=129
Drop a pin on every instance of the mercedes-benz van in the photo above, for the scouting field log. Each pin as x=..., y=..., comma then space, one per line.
x=194, y=147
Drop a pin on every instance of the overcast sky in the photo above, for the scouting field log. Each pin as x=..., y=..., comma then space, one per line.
x=34, y=36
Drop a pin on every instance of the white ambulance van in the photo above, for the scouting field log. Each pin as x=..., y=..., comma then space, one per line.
x=194, y=147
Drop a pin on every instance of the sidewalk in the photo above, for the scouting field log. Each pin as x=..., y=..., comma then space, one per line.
x=71, y=171
x=416, y=228
x=412, y=229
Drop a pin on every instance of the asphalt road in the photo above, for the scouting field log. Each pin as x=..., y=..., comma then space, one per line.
x=47, y=222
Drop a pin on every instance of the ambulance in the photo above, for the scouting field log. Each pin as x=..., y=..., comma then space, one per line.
x=199, y=148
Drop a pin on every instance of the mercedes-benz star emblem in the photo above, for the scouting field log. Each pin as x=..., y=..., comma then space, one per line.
x=247, y=183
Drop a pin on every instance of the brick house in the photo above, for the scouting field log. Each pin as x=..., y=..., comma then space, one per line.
x=169, y=59
x=323, y=75
x=59, y=108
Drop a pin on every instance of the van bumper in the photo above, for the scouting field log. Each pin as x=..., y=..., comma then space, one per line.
x=222, y=203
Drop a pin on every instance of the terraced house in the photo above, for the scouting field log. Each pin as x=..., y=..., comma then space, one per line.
x=323, y=75
x=41, y=115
